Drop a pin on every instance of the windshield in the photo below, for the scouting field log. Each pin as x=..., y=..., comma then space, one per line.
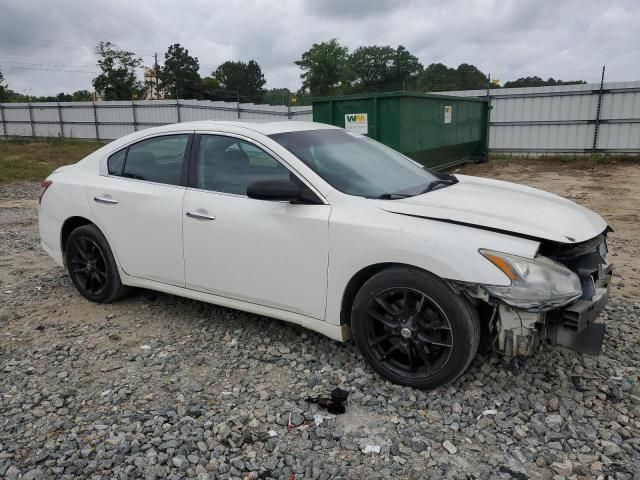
x=355, y=164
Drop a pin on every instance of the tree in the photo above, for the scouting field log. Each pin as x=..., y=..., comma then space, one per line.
x=471, y=78
x=324, y=68
x=118, y=78
x=406, y=68
x=376, y=67
x=277, y=96
x=81, y=96
x=212, y=90
x=179, y=75
x=371, y=67
x=539, y=82
x=3, y=89
x=437, y=77
x=246, y=79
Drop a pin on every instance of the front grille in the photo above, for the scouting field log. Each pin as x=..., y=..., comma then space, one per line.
x=587, y=259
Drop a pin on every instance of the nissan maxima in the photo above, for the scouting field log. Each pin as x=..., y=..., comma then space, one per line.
x=331, y=230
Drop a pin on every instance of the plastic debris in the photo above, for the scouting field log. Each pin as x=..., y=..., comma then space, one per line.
x=145, y=347
x=372, y=449
x=486, y=413
x=272, y=433
x=319, y=419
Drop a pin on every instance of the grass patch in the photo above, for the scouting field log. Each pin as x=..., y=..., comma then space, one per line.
x=26, y=159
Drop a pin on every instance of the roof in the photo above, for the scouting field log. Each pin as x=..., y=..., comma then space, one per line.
x=265, y=127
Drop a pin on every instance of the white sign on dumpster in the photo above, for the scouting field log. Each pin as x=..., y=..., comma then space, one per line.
x=448, y=110
x=357, y=123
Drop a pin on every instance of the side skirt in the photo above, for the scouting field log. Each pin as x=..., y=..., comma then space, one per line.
x=335, y=332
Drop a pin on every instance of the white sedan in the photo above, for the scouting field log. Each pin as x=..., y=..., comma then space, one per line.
x=331, y=230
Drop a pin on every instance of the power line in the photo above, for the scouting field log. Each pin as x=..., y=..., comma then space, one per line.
x=11, y=67
x=38, y=64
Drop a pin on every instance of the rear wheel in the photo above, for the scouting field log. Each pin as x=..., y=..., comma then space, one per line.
x=413, y=329
x=91, y=265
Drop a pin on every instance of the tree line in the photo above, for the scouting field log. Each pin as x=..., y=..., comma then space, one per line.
x=10, y=96
x=327, y=68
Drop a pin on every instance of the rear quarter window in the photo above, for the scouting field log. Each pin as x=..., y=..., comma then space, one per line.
x=116, y=162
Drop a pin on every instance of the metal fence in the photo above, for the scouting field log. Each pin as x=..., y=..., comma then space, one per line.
x=559, y=119
x=564, y=119
x=109, y=120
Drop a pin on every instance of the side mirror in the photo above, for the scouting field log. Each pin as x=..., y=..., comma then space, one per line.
x=274, y=190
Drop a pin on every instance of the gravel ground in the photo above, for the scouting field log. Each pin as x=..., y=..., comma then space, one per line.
x=156, y=386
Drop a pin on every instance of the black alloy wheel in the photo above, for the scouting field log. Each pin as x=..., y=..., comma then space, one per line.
x=88, y=266
x=409, y=333
x=413, y=328
x=92, y=266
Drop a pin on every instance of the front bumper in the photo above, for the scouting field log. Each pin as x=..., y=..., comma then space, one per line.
x=575, y=326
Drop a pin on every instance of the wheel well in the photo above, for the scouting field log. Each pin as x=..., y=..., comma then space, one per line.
x=354, y=285
x=69, y=225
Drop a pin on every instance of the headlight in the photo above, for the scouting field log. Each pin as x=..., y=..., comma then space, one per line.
x=535, y=283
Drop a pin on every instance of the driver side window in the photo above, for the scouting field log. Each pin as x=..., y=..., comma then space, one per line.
x=230, y=165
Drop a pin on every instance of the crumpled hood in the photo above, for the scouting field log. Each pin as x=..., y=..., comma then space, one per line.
x=503, y=206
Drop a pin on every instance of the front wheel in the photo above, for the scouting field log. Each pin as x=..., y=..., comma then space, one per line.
x=413, y=329
x=91, y=265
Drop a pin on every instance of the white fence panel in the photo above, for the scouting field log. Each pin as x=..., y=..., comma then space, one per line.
x=16, y=114
x=45, y=112
x=564, y=118
x=156, y=112
x=78, y=130
x=77, y=112
x=108, y=132
x=46, y=129
x=543, y=119
x=109, y=120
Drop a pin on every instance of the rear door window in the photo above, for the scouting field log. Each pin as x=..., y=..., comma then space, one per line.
x=157, y=159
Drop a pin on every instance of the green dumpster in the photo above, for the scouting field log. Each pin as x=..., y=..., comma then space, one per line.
x=438, y=131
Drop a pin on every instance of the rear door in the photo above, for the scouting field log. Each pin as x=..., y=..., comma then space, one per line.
x=264, y=252
x=138, y=206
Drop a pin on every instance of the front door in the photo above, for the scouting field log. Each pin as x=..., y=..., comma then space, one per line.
x=269, y=253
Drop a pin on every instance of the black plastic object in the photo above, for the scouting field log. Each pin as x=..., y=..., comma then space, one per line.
x=588, y=341
x=339, y=395
x=336, y=408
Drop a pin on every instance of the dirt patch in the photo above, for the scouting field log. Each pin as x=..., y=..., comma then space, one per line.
x=611, y=189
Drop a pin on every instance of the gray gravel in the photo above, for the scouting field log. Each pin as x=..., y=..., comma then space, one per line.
x=156, y=386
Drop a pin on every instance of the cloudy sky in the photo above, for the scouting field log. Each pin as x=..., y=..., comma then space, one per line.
x=47, y=47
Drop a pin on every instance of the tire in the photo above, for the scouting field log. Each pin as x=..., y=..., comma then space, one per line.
x=92, y=267
x=413, y=329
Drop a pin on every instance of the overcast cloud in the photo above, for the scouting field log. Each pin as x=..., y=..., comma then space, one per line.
x=567, y=39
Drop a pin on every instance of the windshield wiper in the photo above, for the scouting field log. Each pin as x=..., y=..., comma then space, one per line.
x=443, y=178
x=440, y=181
x=392, y=196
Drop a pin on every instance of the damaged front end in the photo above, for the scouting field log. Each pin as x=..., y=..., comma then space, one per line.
x=555, y=297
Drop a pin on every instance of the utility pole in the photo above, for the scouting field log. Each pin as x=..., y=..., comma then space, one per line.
x=156, y=71
x=598, y=111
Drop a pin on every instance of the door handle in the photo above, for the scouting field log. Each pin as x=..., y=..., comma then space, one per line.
x=200, y=216
x=108, y=200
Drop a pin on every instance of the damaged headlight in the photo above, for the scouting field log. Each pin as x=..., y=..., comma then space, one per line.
x=535, y=283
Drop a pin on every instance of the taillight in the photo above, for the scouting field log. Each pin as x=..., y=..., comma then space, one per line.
x=43, y=188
